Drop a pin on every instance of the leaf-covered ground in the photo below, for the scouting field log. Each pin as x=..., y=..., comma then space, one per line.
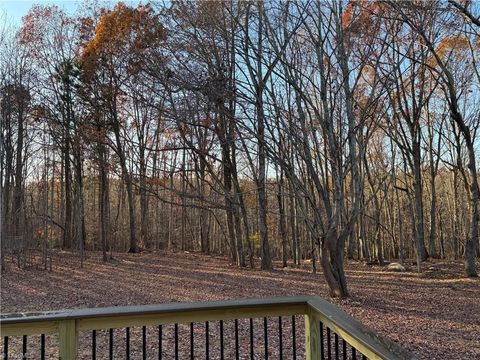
x=435, y=315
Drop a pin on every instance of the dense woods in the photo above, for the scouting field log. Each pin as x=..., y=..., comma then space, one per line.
x=276, y=130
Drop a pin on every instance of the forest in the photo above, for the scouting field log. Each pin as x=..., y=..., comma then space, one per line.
x=269, y=132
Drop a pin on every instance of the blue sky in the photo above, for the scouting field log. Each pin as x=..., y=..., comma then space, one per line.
x=17, y=8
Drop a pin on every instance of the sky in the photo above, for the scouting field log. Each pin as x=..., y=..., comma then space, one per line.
x=16, y=9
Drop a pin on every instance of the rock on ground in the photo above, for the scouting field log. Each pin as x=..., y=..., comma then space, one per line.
x=397, y=267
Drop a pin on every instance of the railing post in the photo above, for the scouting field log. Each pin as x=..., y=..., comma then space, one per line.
x=312, y=335
x=68, y=339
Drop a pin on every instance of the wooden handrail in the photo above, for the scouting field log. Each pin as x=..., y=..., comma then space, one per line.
x=355, y=333
x=170, y=308
x=68, y=323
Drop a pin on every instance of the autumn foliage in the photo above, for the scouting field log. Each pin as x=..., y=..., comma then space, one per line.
x=124, y=34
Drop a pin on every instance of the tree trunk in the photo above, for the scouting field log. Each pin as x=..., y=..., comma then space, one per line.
x=144, y=225
x=422, y=253
x=67, y=234
x=18, y=212
x=204, y=216
x=103, y=202
x=433, y=216
x=332, y=265
x=128, y=184
x=472, y=240
x=239, y=236
x=433, y=203
x=79, y=211
x=282, y=221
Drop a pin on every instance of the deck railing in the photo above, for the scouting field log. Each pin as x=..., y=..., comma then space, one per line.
x=273, y=328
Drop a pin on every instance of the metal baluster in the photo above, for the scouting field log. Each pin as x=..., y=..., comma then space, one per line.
x=221, y=340
x=294, y=340
x=144, y=342
x=237, y=352
x=94, y=344
x=344, y=343
x=176, y=341
x=110, y=344
x=5, y=347
x=364, y=357
x=24, y=347
x=207, y=349
x=322, y=345
x=280, y=337
x=354, y=353
x=265, y=335
x=42, y=347
x=252, y=356
x=127, y=343
x=336, y=346
x=159, y=342
x=329, y=345
x=192, y=348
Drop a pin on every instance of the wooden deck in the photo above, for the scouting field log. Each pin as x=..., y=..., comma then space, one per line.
x=321, y=318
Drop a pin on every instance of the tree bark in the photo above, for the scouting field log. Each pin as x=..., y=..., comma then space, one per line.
x=128, y=184
x=67, y=234
x=18, y=198
x=332, y=261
